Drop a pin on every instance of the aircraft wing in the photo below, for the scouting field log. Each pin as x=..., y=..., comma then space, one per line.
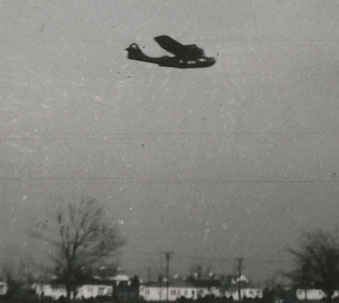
x=171, y=45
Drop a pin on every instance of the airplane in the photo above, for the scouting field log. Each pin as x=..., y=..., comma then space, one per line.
x=185, y=56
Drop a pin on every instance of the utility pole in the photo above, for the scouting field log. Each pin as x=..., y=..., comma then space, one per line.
x=168, y=255
x=239, y=273
x=149, y=274
x=160, y=276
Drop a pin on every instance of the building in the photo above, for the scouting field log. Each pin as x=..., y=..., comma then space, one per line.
x=197, y=288
x=313, y=294
x=94, y=287
x=86, y=291
x=53, y=291
x=232, y=284
x=120, y=279
x=94, y=290
x=3, y=288
x=245, y=293
x=156, y=291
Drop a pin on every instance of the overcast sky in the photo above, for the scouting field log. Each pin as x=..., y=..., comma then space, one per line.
x=233, y=160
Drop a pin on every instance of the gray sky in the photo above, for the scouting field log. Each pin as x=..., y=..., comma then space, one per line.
x=207, y=162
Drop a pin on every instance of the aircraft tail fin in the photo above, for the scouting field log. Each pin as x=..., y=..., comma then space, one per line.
x=134, y=51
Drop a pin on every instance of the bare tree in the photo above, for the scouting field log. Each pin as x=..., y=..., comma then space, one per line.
x=80, y=239
x=317, y=262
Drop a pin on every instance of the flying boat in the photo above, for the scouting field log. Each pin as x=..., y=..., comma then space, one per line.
x=183, y=56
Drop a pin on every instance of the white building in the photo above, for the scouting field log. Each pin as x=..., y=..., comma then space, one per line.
x=85, y=291
x=3, y=288
x=155, y=291
x=49, y=290
x=249, y=293
x=94, y=290
x=158, y=292
x=120, y=278
x=313, y=294
x=240, y=279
